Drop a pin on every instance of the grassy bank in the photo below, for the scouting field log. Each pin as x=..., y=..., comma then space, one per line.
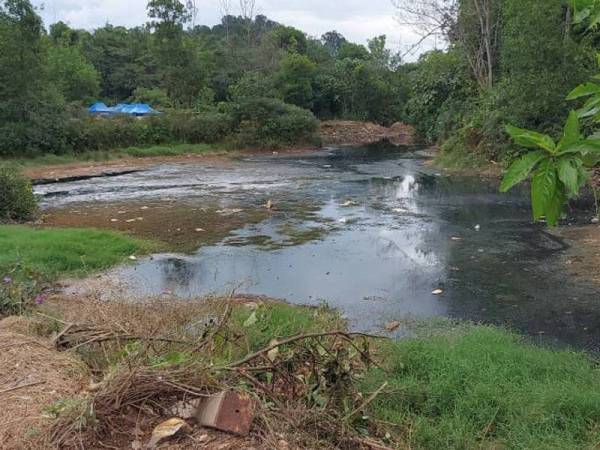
x=455, y=387
x=486, y=388
x=58, y=252
x=455, y=158
x=130, y=152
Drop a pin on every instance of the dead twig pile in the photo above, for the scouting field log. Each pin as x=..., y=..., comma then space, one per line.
x=306, y=386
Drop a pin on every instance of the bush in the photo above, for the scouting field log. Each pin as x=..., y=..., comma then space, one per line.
x=17, y=201
x=197, y=128
x=271, y=123
x=254, y=122
x=110, y=133
x=440, y=92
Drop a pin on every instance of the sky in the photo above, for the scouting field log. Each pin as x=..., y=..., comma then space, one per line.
x=357, y=20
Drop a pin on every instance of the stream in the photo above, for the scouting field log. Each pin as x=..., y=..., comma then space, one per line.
x=372, y=231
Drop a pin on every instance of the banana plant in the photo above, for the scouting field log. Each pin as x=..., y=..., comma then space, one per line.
x=560, y=169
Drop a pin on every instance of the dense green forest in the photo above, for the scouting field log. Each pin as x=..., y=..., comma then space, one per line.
x=508, y=62
x=249, y=77
x=260, y=83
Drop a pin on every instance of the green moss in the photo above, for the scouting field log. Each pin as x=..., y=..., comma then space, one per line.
x=61, y=252
x=487, y=388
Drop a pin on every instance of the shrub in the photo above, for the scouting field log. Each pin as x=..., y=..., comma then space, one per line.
x=17, y=201
x=156, y=97
x=196, y=128
x=110, y=133
x=271, y=123
x=20, y=289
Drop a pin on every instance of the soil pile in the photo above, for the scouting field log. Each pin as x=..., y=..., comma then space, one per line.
x=346, y=132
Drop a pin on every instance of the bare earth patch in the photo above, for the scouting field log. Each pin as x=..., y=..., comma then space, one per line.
x=182, y=227
x=346, y=132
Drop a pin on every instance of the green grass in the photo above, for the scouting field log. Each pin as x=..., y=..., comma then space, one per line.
x=107, y=155
x=280, y=320
x=459, y=158
x=486, y=388
x=65, y=252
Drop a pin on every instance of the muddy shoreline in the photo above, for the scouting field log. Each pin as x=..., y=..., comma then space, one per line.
x=333, y=133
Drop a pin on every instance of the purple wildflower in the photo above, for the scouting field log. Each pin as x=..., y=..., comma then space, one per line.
x=7, y=280
x=41, y=299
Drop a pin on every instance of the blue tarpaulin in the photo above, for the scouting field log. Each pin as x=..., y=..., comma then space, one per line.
x=99, y=108
x=132, y=109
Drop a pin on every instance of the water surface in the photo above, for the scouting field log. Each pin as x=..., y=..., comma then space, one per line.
x=372, y=231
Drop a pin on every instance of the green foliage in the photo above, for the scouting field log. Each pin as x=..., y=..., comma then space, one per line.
x=156, y=97
x=439, y=94
x=20, y=289
x=17, y=201
x=205, y=127
x=271, y=123
x=295, y=79
x=486, y=388
x=209, y=70
x=537, y=58
x=290, y=39
x=72, y=74
x=253, y=85
x=559, y=170
x=280, y=320
x=123, y=58
x=55, y=253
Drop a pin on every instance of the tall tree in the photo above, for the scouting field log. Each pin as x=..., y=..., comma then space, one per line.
x=176, y=54
x=333, y=42
x=22, y=57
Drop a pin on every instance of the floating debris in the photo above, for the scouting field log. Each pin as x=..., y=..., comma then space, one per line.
x=392, y=325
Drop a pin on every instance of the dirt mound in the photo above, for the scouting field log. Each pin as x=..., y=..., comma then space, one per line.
x=346, y=132
x=34, y=378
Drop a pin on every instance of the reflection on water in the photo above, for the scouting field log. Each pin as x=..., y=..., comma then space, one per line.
x=383, y=232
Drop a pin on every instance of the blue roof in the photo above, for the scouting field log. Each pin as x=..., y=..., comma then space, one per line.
x=133, y=109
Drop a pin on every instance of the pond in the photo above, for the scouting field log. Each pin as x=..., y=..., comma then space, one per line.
x=373, y=231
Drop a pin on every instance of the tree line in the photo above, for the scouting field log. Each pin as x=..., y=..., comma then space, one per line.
x=513, y=86
x=220, y=76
